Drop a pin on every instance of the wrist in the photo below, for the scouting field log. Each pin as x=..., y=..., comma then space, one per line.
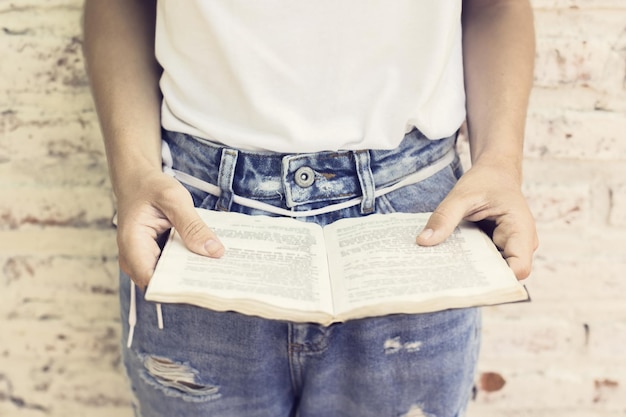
x=502, y=151
x=131, y=157
x=504, y=164
x=127, y=175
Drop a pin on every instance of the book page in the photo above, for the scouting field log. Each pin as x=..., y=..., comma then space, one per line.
x=378, y=261
x=273, y=260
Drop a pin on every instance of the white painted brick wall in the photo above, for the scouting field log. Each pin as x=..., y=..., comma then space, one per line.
x=561, y=355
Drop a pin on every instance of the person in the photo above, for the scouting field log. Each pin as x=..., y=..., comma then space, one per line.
x=239, y=96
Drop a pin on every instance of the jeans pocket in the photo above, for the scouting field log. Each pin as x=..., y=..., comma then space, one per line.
x=202, y=199
x=208, y=202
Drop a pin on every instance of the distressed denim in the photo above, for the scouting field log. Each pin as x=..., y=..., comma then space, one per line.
x=207, y=363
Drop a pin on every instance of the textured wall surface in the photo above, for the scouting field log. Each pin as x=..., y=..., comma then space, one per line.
x=563, y=354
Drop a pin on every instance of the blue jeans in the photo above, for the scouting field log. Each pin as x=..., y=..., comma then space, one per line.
x=206, y=363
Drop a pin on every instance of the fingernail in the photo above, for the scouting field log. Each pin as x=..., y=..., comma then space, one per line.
x=426, y=234
x=212, y=246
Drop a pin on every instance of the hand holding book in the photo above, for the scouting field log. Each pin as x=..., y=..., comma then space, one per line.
x=282, y=268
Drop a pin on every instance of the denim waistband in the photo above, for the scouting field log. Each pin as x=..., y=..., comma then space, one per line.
x=301, y=179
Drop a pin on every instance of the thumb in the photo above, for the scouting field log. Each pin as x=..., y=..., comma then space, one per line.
x=440, y=224
x=196, y=235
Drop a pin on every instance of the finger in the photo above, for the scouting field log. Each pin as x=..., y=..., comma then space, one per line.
x=196, y=235
x=518, y=246
x=520, y=266
x=139, y=253
x=443, y=221
x=137, y=234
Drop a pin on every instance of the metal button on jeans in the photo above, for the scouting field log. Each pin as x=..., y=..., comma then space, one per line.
x=304, y=177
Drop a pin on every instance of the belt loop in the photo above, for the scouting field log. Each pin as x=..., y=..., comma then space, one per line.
x=366, y=179
x=225, y=179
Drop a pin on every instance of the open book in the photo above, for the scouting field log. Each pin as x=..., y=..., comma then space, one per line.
x=282, y=268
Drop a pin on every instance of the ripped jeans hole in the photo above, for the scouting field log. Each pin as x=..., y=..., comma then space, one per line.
x=178, y=379
x=416, y=411
x=395, y=345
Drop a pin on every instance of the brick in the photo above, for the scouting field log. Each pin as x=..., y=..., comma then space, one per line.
x=591, y=244
x=578, y=280
x=580, y=47
x=70, y=308
x=50, y=149
x=39, y=6
x=58, y=341
x=569, y=196
x=78, y=171
x=559, y=204
x=522, y=339
x=81, y=390
x=577, y=98
x=29, y=133
x=58, y=241
x=74, y=290
x=64, y=367
x=578, y=4
x=82, y=274
x=60, y=68
x=32, y=131
x=617, y=216
x=607, y=338
x=595, y=310
x=43, y=42
x=488, y=410
x=75, y=206
x=64, y=388
x=558, y=386
x=578, y=135
x=522, y=390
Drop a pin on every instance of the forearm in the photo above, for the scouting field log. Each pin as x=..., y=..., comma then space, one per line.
x=124, y=74
x=499, y=47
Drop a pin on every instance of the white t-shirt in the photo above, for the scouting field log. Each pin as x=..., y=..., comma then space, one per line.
x=311, y=75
